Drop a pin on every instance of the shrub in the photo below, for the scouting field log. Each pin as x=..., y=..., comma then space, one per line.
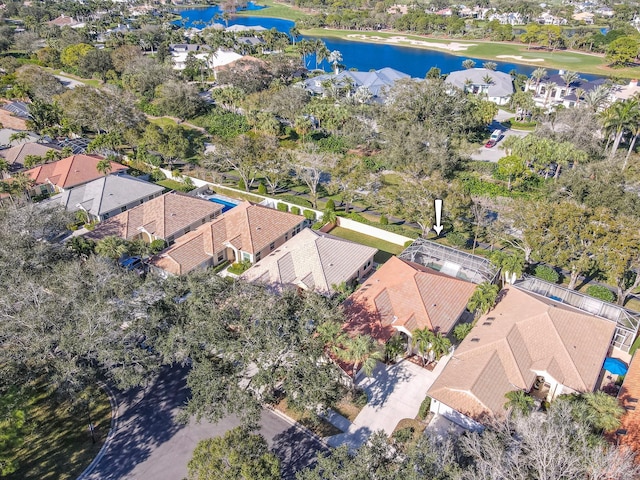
x=424, y=408
x=310, y=215
x=296, y=200
x=408, y=243
x=157, y=245
x=242, y=185
x=546, y=273
x=282, y=207
x=384, y=220
x=175, y=173
x=462, y=330
x=331, y=205
x=404, y=435
x=223, y=124
x=458, y=239
x=295, y=210
x=317, y=225
x=262, y=190
x=602, y=293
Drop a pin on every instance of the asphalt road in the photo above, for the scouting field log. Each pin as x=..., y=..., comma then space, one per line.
x=150, y=445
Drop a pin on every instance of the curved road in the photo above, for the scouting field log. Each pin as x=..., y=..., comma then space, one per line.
x=150, y=445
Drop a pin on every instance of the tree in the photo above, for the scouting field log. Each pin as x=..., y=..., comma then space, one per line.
x=519, y=401
x=309, y=167
x=623, y=51
x=31, y=161
x=95, y=62
x=569, y=78
x=490, y=65
x=362, y=351
x=104, y=166
x=111, y=247
x=538, y=74
x=179, y=99
x=440, y=345
x=72, y=54
x=600, y=410
x=511, y=265
x=618, y=118
x=19, y=137
x=238, y=455
x=483, y=298
x=321, y=51
x=468, y=64
x=531, y=35
x=423, y=339
x=512, y=167
x=461, y=331
x=619, y=256
x=335, y=58
x=43, y=116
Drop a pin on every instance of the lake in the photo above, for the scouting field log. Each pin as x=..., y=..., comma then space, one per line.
x=359, y=55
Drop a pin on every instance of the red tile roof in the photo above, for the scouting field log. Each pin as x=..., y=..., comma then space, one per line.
x=629, y=397
x=402, y=293
x=71, y=171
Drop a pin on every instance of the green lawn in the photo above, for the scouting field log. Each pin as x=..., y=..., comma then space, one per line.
x=581, y=62
x=173, y=185
x=162, y=122
x=276, y=10
x=58, y=442
x=386, y=249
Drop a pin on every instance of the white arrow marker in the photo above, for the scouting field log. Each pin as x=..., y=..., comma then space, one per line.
x=438, y=204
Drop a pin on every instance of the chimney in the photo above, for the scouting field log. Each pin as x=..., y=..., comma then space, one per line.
x=633, y=83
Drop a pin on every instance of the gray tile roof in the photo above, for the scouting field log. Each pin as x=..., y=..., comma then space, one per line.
x=501, y=86
x=108, y=193
x=377, y=82
x=19, y=109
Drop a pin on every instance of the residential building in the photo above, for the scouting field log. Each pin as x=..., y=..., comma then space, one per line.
x=6, y=135
x=247, y=232
x=510, y=18
x=629, y=396
x=403, y=296
x=527, y=342
x=66, y=21
x=313, y=261
x=495, y=86
x=586, y=17
x=167, y=217
x=377, y=82
x=18, y=109
x=553, y=90
x=69, y=172
x=180, y=53
x=625, y=92
x=15, y=156
x=546, y=18
x=109, y=195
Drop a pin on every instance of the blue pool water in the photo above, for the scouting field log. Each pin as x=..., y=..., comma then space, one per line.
x=227, y=203
x=359, y=55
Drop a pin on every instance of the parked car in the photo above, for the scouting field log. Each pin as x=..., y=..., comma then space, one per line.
x=496, y=135
x=133, y=264
x=490, y=144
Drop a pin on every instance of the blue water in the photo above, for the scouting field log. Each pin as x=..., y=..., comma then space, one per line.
x=360, y=55
x=226, y=205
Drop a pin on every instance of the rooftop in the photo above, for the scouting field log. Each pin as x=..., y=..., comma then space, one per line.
x=501, y=83
x=629, y=397
x=71, y=171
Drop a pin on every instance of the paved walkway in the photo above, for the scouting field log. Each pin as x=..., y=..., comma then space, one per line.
x=394, y=392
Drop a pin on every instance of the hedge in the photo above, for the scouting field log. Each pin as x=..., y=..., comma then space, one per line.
x=295, y=210
x=303, y=202
x=310, y=215
x=546, y=273
x=282, y=207
x=602, y=293
x=424, y=408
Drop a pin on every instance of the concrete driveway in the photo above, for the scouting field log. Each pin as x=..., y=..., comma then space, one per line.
x=394, y=392
x=150, y=445
x=496, y=153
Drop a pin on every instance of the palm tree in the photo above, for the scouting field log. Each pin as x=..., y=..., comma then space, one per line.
x=490, y=65
x=335, y=57
x=331, y=335
x=111, y=247
x=363, y=351
x=22, y=183
x=635, y=131
x=538, y=74
x=440, y=345
x=18, y=137
x=483, y=298
x=295, y=33
x=617, y=118
x=4, y=166
x=597, y=97
x=305, y=47
x=602, y=411
x=52, y=155
x=518, y=401
x=423, y=339
x=468, y=64
x=488, y=79
x=569, y=78
x=322, y=52
x=550, y=88
x=104, y=166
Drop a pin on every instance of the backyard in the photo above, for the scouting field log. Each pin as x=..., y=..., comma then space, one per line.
x=386, y=249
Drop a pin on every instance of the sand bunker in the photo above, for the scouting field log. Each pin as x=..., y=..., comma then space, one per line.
x=398, y=39
x=519, y=57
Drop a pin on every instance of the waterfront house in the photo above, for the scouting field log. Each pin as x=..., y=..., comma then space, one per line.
x=313, y=261
x=497, y=87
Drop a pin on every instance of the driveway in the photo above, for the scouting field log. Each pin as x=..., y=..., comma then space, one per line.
x=496, y=153
x=150, y=445
x=394, y=392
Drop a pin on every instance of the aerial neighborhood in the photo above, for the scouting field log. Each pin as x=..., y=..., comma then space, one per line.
x=319, y=240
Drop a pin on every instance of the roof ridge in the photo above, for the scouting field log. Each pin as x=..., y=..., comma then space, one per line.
x=65, y=173
x=564, y=346
x=315, y=246
x=422, y=302
x=102, y=191
x=246, y=212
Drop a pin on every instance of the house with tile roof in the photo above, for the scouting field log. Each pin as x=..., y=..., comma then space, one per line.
x=629, y=396
x=109, y=195
x=69, y=172
x=403, y=296
x=552, y=90
x=247, y=232
x=527, y=342
x=15, y=155
x=313, y=261
x=66, y=21
x=495, y=86
x=167, y=217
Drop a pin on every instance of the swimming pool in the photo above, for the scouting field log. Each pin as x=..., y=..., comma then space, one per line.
x=226, y=202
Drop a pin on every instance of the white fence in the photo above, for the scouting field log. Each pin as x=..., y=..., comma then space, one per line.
x=373, y=231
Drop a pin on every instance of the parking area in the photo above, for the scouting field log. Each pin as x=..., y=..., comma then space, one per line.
x=496, y=153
